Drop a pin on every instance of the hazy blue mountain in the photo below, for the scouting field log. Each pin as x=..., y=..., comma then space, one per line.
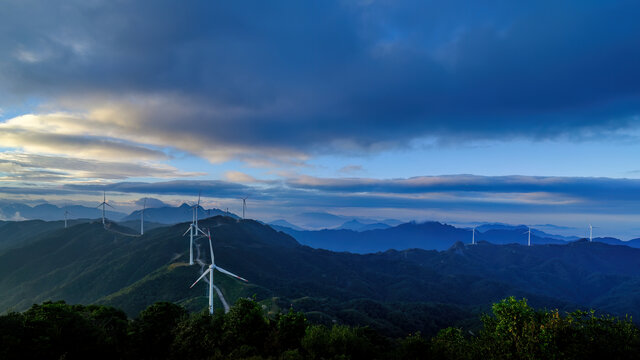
x=537, y=232
x=284, y=223
x=174, y=215
x=49, y=212
x=428, y=236
x=318, y=220
x=322, y=220
x=634, y=243
x=356, y=225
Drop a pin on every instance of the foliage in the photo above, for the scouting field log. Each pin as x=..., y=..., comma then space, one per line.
x=514, y=330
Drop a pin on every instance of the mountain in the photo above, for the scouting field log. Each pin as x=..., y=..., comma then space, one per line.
x=174, y=215
x=19, y=233
x=428, y=236
x=322, y=220
x=634, y=243
x=356, y=225
x=281, y=223
x=537, y=232
x=49, y=212
x=88, y=264
x=393, y=291
x=318, y=220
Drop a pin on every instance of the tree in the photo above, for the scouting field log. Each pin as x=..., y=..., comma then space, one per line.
x=152, y=332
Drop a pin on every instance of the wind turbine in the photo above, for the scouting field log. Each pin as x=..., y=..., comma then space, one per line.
x=244, y=205
x=193, y=229
x=144, y=207
x=209, y=271
x=528, y=232
x=591, y=232
x=66, y=215
x=473, y=236
x=103, y=204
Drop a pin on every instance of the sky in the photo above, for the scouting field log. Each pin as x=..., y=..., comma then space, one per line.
x=455, y=111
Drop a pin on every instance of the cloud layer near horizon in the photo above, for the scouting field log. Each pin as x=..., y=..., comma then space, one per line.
x=460, y=192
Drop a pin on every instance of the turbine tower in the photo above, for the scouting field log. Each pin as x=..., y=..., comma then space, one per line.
x=193, y=229
x=209, y=271
x=103, y=204
x=66, y=215
x=590, y=233
x=144, y=207
x=244, y=205
x=528, y=232
x=473, y=236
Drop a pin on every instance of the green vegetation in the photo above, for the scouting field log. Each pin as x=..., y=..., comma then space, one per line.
x=514, y=330
x=392, y=293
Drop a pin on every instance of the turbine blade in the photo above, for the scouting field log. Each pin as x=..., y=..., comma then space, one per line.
x=211, y=248
x=108, y=205
x=231, y=274
x=200, y=278
x=185, y=233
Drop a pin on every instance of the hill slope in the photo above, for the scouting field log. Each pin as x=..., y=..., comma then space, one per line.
x=87, y=264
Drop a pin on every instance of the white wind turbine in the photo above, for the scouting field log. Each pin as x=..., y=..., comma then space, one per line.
x=66, y=216
x=144, y=207
x=209, y=271
x=103, y=204
x=528, y=232
x=193, y=229
x=591, y=232
x=473, y=236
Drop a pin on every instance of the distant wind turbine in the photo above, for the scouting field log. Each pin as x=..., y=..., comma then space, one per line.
x=144, y=207
x=591, y=232
x=193, y=229
x=103, y=204
x=209, y=271
x=473, y=236
x=528, y=232
x=66, y=215
x=244, y=205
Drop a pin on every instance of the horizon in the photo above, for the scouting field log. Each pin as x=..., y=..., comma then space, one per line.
x=502, y=113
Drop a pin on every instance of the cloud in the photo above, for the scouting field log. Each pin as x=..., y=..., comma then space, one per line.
x=583, y=188
x=240, y=177
x=209, y=188
x=351, y=169
x=31, y=167
x=243, y=81
x=458, y=193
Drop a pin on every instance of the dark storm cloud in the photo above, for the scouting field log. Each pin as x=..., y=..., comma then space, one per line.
x=338, y=75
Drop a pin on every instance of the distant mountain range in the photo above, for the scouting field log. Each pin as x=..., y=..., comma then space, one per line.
x=322, y=220
x=428, y=236
x=88, y=264
x=174, y=215
x=49, y=212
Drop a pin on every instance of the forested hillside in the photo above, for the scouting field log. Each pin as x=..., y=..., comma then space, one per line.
x=393, y=292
